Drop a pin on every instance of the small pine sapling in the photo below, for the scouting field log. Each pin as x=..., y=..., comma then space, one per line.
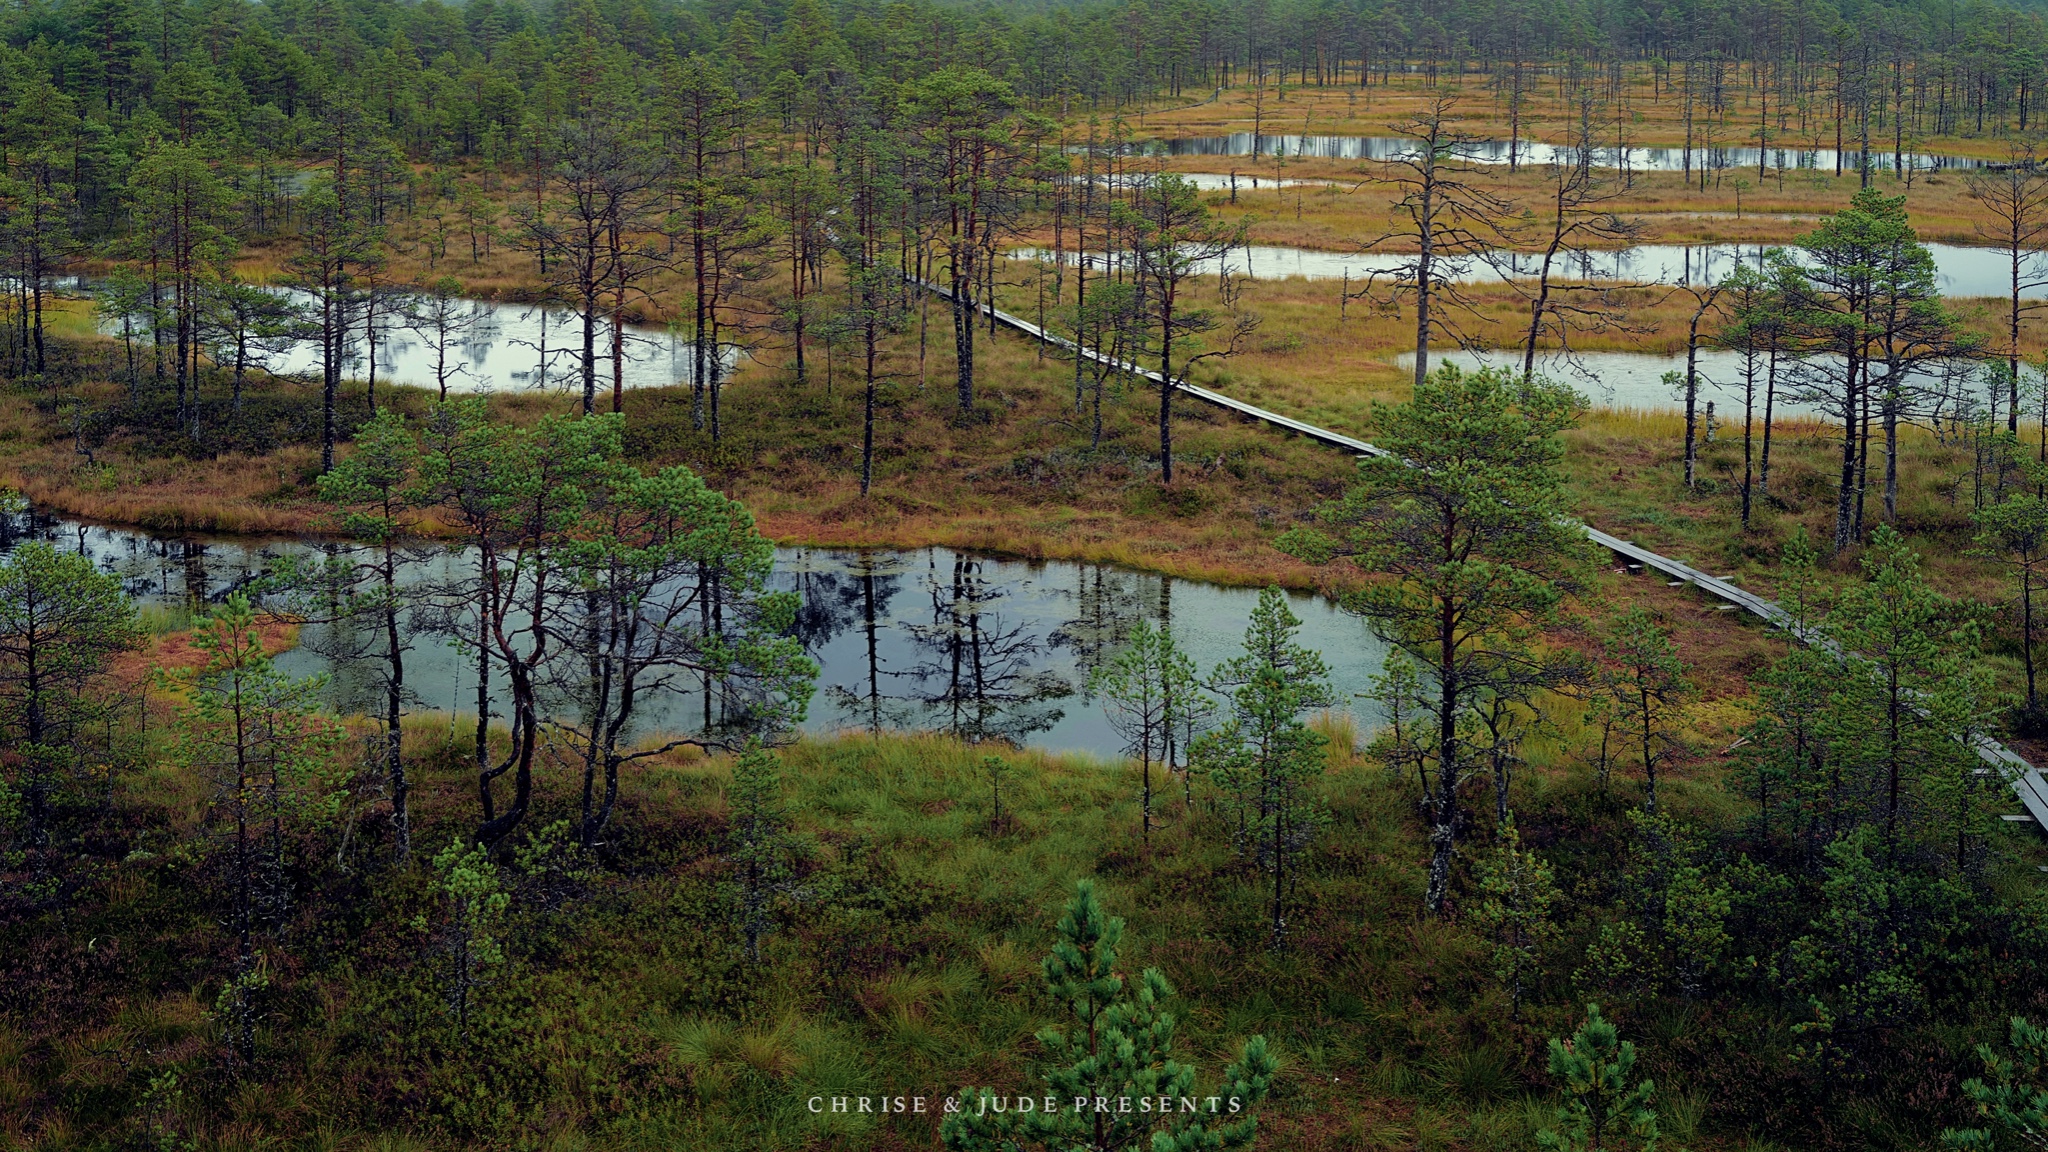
x=270, y=750
x=1602, y=1110
x=1650, y=686
x=1119, y=1050
x=1518, y=899
x=995, y=770
x=472, y=912
x=1265, y=756
x=2016, y=1099
x=1683, y=904
x=763, y=849
x=1150, y=692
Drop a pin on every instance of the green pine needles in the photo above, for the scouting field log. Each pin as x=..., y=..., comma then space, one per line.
x=1154, y=699
x=1602, y=1109
x=1264, y=757
x=2015, y=1101
x=472, y=915
x=1115, y=1083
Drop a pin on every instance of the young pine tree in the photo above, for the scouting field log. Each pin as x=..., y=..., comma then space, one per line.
x=1145, y=689
x=1602, y=1111
x=472, y=914
x=62, y=621
x=2015, y=533
x=1265, y=756
x=1118, y=1050
x=1401, y=743
x=1649, y=685
x=996, y=771
x=264, y=741
x=367, y=605
x=2016, y=1099
x=1917, y=690
x=1789, y=744
x=1463, y=525
x=762, y=848
x=1518, y=900
x=1861, y=963
x=1680, y=903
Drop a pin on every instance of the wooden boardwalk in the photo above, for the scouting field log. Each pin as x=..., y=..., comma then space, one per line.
x=2027, y=781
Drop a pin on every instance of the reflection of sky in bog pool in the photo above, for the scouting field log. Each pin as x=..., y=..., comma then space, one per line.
x=514, y=346
x=1222, y=181
x=1631, y=379
x=929, y=640
x=1638, y=159
x=1961, y=271
x=1636, y=380
x=496, y=348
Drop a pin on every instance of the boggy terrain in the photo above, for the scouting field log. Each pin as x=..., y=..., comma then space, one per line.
x=241, y=907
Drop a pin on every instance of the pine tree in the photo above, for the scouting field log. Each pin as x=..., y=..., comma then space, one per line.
x=360, y=593
x=1446, y=215
x=1602, y=1110
x=1788, y=747
x=445, y=322
x=1115, y=1082
x=471, y=917
x=182, y=208
x=1400, y=745
x=263, y=740
x=1173, y=238
x=1649, y=686
x=1264, y=755
x=2015, y=1101
x=762, y=849
x=336, y=242
x=1911, y=667
x=1463, y=523
x=62, y=622
x=2014, y=531
x=1518, y=900
x=996, y=771
x=1146, y=689
x=1866, y=288
x=664, y=586
x=963, y=118
x=1682, y=906
x=1860, y=961
x=520, y=498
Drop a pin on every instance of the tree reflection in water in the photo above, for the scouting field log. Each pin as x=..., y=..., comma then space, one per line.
x=928, y=640
x=977, y=679
x=873, y=581
x=1107, y=606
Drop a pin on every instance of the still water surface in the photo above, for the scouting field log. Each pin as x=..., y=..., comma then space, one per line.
x=484, y=346
x=1959, y=270
x=926, y=640
x=1638, y=159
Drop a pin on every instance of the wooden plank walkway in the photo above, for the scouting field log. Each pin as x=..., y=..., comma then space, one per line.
x=2027, y=781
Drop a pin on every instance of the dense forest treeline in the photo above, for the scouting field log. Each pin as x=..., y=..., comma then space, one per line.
x=465, y=79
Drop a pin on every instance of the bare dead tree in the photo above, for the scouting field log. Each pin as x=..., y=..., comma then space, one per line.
x=1581, y=217
x=603, y=179
x=1449, y=217
x=2016, y=198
